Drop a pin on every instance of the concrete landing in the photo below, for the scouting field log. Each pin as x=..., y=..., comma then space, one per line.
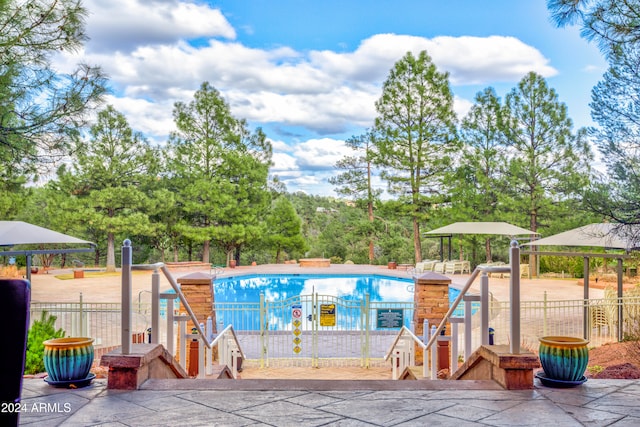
x=129, y=371
x=494, y=362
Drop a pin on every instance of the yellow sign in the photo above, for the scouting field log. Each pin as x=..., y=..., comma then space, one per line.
x=297, y=341
x=327, y=315
x=297, y=349
x=296, y=332
x=297, y=323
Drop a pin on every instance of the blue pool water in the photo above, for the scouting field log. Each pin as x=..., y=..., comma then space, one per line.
x=237, y=298
x=277, y=287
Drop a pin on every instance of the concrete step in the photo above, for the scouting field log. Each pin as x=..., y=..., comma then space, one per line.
x=318, y=385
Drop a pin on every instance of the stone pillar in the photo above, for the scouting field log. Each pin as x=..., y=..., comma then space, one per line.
x=199, y=292
x=431, y=298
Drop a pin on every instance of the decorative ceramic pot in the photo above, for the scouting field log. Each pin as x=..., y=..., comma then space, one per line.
x=564, y=358
x=68, y=359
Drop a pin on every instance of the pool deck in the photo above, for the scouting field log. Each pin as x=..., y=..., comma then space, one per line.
x=47, y=288
x=302, y=403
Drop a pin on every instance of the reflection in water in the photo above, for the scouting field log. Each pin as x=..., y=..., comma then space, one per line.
x=279, y=287
x=237, y=299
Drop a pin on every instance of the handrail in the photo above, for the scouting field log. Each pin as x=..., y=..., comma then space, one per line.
x=401, y=333
x=454, y=306
x=172, y=281
x=230, y=348
x=233, y=334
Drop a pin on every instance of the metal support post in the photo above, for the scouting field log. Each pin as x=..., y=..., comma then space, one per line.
x=514, y=261
x=155, y=307
x=620, y=305
x=126, y=297
x=585, y=311
x=484, y=308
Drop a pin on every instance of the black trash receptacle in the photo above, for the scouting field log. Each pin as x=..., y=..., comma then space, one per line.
x=15, y=295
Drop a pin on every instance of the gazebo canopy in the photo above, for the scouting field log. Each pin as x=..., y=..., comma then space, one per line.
x=22, y=233
x=599, y=235
x=501, y=228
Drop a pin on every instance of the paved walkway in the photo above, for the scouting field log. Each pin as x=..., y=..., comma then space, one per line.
x=47, y=288
x=320, y=403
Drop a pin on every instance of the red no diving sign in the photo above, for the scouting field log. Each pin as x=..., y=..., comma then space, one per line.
x=296, y=311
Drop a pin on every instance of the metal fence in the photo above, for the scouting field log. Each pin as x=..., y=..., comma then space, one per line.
x=101, y=321
x=358, y=337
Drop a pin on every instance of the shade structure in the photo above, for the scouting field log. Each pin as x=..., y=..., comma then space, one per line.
x=599, y=235
x=500, y=228
x=22, y=233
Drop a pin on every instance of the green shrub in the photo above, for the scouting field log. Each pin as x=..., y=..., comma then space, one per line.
x=41, y=330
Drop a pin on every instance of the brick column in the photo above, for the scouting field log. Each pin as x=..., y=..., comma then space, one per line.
x=431, y=298
x=199, y=292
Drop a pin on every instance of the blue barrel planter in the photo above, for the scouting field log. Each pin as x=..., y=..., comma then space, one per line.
x=68, y=360
x=564, y=358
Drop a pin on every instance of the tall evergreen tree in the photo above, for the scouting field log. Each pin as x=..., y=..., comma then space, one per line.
x=31, y=32
x=548, y=165
x=479, y=178
x=220, y=173
x=108, y=180
x=615, y=107
x=416, y=138
x=355, y=182
x=610, y=23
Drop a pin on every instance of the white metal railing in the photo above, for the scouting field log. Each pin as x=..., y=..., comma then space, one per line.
x=538, y=318
x=514, y=317
x=227, y=344
x=402, y=353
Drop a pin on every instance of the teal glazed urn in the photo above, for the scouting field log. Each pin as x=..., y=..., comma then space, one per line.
x=68, y=359
x=564, y=358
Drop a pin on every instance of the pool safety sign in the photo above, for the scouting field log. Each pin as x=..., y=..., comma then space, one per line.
x=390, y=318
x=296, y=321
x=327, y=315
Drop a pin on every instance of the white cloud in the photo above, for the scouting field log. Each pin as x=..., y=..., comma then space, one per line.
x=461, y=106
x=593, y=69
x=320, y=154
x=146, y=48
x=469, y=60
x=122, y=25
x=284, y=164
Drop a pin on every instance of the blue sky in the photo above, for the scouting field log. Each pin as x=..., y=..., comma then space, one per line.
x=309, y=72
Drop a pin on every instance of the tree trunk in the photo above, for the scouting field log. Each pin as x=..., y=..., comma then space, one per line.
x=111, y=253
x=205, y=251
x=370, y=211
x=417, y=245
x=487, y=249
x=278, y=256
x=533, y=259
x=175, y=252
x=96, y=258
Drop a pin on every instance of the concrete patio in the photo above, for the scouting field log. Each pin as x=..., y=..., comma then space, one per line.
x=317, y=402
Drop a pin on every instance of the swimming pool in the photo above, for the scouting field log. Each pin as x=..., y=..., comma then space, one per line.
x=283, y=286
x=237, y=298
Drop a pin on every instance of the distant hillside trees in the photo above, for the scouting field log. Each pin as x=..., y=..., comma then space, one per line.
x=283, y=230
